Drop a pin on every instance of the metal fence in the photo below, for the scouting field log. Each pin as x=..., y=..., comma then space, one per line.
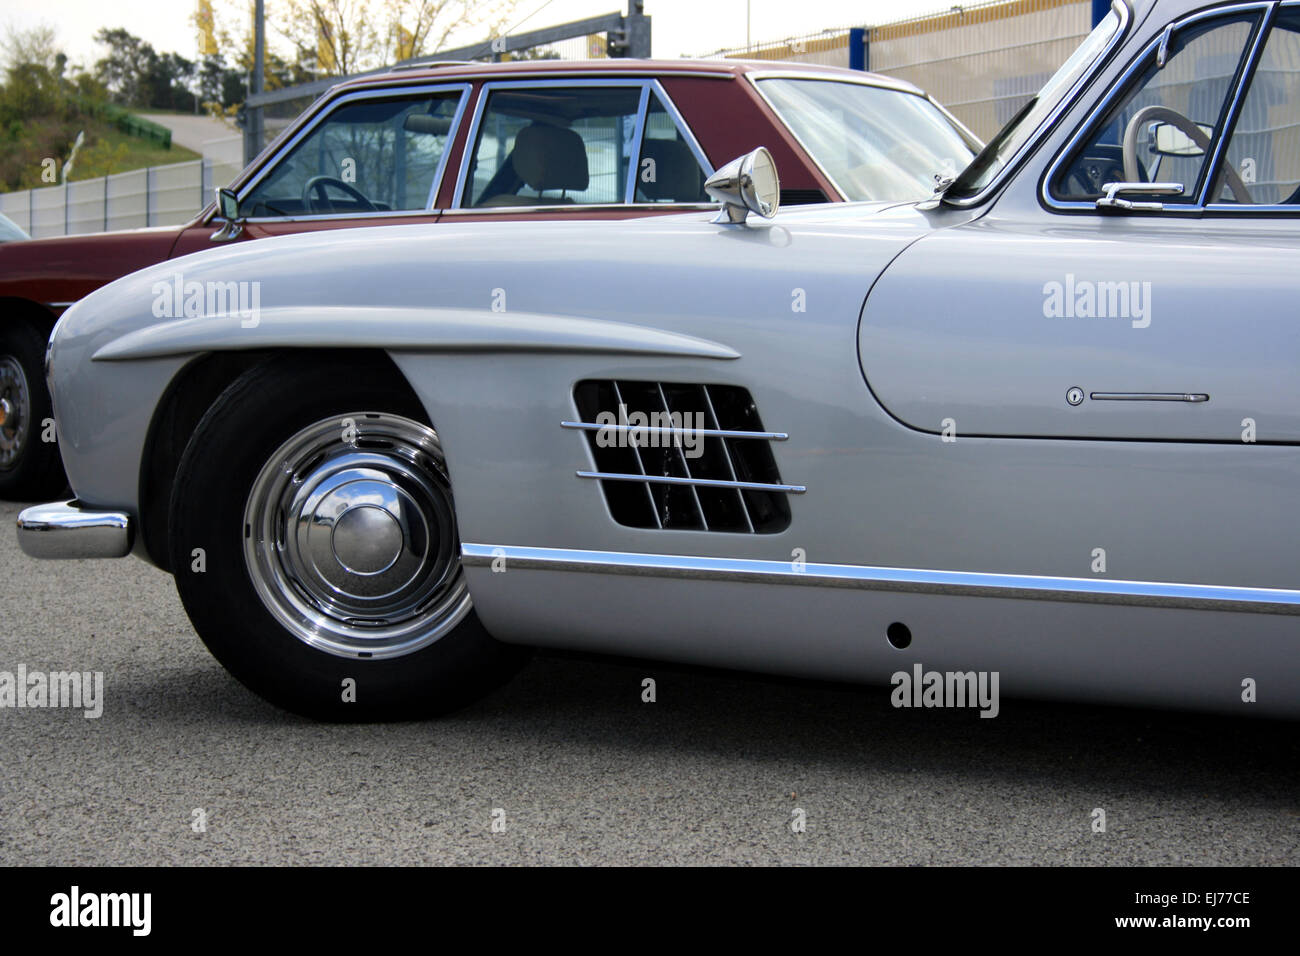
x=827, y=48
x=153, y=196
x=983, y=62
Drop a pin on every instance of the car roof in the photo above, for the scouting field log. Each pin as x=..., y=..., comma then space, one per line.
x=518, y=69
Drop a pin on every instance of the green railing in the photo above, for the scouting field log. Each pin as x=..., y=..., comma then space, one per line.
x=128, y=122
x=134, y=125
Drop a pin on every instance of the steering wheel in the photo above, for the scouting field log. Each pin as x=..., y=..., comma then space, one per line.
x=318, y=184
x=1102, y=163
x=1133, y=171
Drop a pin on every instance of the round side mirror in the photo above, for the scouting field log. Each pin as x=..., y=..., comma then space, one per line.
x=747, y=184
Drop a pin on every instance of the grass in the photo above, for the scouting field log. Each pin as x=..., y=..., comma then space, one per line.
x=108, y=150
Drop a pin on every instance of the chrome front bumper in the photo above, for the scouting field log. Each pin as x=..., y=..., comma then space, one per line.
x=63, y=529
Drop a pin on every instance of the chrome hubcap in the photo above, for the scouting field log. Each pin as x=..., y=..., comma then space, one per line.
x=15, y=409
x=350, y=537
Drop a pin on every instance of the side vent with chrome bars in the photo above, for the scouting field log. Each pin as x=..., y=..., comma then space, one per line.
x=682, y=456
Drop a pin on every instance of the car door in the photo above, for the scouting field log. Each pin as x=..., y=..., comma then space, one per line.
x=1173, y=322
x=376, y=157
x=577, y=149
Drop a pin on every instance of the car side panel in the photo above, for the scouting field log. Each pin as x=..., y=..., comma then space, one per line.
x=989, y=325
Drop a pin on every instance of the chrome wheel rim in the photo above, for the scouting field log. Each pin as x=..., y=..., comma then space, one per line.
x=15, y=410
x=350, y=537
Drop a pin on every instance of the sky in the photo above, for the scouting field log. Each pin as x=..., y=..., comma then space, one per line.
x=680, y=27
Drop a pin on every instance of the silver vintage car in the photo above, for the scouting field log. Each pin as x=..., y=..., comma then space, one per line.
x=1044, y=424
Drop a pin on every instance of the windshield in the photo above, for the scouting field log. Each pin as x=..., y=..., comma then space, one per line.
x=1022, y=126
x=873, y=142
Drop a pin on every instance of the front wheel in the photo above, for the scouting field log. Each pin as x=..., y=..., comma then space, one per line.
x=314, y=544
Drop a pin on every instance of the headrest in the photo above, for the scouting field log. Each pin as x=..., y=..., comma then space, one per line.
x=550, y=157
x=424, y=123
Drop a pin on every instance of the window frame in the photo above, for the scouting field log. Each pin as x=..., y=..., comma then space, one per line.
x=383, y=93
x=647, y=85
x=1267, y=12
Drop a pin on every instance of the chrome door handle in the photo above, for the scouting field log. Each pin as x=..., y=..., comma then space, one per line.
x=1194, y=397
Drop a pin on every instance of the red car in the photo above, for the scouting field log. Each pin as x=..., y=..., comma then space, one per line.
x=525, y=140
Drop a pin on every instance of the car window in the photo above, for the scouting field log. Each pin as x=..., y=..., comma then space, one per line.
x=1163, y=128
x=553, y=145
x=373, y=155
x=874, y=142
x=667, y=170
x=1264, y=148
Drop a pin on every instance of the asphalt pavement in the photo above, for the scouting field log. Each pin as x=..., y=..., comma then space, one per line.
x=573, y=767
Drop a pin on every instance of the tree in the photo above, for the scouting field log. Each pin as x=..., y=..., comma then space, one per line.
x=126, y=68
x=331, y=38
x=167, y=83
x=33, y=70
x=32, y=47
x=137, y=75
x=348, y=36
x=41, y=108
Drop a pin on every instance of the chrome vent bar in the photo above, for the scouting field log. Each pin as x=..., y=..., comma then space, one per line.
x=695, y=482
x=682, y=456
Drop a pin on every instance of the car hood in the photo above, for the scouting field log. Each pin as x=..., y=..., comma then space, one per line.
x=57, y=245
x=396, y=286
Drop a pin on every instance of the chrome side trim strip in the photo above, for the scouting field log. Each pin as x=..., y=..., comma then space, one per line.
x=642, y=210
x=697, y=482
x=655, y=429
x=1029, y=587
x=427, y=215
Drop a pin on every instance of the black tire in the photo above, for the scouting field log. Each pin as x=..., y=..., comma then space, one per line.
x=30, y=469
x=228, y=458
